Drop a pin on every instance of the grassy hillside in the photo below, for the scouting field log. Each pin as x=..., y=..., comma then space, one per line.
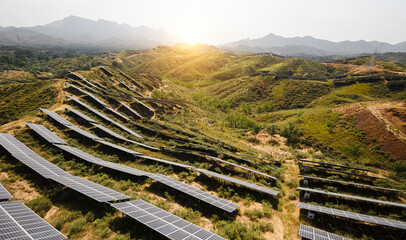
x=202, y=99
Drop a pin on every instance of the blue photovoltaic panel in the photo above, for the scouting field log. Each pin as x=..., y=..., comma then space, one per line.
x=84, y=133
x=81, y=115
x=29, y=158
x=317, y=234
x=45, y=133
x=109, y=132
x=19, y=222
x=163, y=222
x=56, y=117
x=4, y=194
x=166, y=162
x=353, y=197
x=353, y=216
x=239, y=182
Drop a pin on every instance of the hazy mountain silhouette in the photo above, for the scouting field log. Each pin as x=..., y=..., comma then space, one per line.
x=310, y=45
x=79, y=30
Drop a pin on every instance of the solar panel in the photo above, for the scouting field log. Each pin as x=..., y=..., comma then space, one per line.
x=84, y=133
x=240, y=182
x=117, y=147
x=163, y=222
x=118, y=114
x=167, y=162
x=353, y=216
x=352, y=197
x=77, y=88
x=90, y=189
x=238, y=166
x=56, y=117
x=92, y=159
x=4, y=194
x=17, y=221
x=134, y=113
x=104, y=117
x=94, y=111
x=144, y=105
x=317, y=234
x=45, y=133
x=339, y=171
x=29, y=158
x=143, y=145
x=77, y=76
x=244, y=160
x=335, y=165
x=94, y=98
x=350, y=183
x=109, y=132
x=196, y=193
x=81, y=115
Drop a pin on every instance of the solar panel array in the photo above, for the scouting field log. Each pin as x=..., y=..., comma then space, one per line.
x=238, y=166
x=81, y=115
x=92, y=159
x=90, y=189
x=339, y=171
x=354, y=216
x=29, y=158
x=172, y=183
x=117, y=147
x=144, y=105
x=118, y=114
x=56, y=117
x=353, y=197
x=317, y=234
x=45, y=133
x=166, y=162
x=50, y=171
x=135, y=113
x=109, y=132
x=335, y=165
x=104, y=117
x=239, y=182
x=84, y=133
x=19, y=222
x=4, y=194
x=163, y=222
x=350, y=183
x=244, y=160
x=196, y=193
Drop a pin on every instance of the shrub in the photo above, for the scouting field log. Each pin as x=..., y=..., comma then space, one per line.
x=238, y=231
x=292, y=133
x=40, y=205
x=237, y=120
x=77, y=226
x=266, y=107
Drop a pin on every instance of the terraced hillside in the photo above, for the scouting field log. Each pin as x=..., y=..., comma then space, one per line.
x=195, y=143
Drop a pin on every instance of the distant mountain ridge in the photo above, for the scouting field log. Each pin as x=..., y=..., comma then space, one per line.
x=77, y=30
x=310, y=46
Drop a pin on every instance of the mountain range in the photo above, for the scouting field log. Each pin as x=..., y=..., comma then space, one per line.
x=102, y=33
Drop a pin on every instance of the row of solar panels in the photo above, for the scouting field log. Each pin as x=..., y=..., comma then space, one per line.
x=100, y=193
x=339, y=171
x=209, y=173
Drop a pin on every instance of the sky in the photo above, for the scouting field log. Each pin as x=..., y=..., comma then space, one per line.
x=221, y=21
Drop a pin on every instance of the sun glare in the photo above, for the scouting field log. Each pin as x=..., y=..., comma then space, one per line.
x=191, y=34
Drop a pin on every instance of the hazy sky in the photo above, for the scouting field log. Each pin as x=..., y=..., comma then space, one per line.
x=219, y=21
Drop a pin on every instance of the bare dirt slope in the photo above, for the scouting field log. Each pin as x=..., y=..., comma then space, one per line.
x=381, y=122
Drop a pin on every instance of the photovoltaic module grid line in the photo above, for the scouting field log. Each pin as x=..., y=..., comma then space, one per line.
x=81, y=115
x=85, y=133
x=4, y=194
x=45, y=133
x=352, y=197
x=317, y=234
x=165, y=223
x=19, y=222
x=109, y=132
x=350, y=183
x=353, y=216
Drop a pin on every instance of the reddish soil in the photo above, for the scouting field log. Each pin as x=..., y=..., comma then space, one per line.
x=376, y=130
x=397, y=117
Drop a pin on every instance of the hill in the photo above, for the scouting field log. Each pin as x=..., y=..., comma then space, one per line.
x=190, y=113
